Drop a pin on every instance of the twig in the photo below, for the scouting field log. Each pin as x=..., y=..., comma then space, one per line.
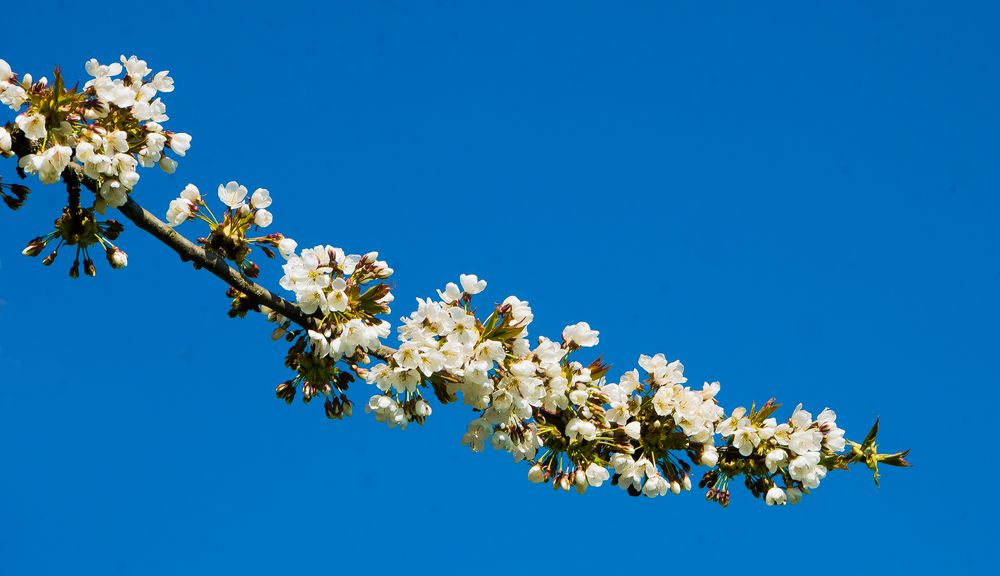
x=191, y=252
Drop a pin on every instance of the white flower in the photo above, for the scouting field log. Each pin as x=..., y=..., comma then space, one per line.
x=180, y=143
x=597, y=475
x=116, y=142
x=833, y=437
x=287, y=246
x=803, y=467
x=746, y=438
x=136, y=68
x=471, y=284
x=580, y=334
x=663, y=401
x=633, y=430
x=263, y=218
x=709, y=456
x=656, y=486
x=577, y=427
x=232, y=194
x=179, y=211
x=664, y=373
x=776, y=459
x=97, y=70
x=191, y=193
x=13, y=96
x=261, y=198
x=5, y=142
x=800, y=418
x=535, y=474
x=337, y=300
x=5, y=71
x=451, y=293
x=520, y=312
x=775, y=496
x=162, y=82
x=32, y=125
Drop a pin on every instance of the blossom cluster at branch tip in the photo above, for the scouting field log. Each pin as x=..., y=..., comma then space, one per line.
x=642, y=433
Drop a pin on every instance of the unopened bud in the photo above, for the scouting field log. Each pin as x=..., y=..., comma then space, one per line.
x=347, y=405
x=286, y=392
x=422, y=409
x=333, y=409
x=74, y=270
x=34, y=248
x=536, y=474
x=50, y=258
x=117, y=258
x=88, y=268
x=564, y=482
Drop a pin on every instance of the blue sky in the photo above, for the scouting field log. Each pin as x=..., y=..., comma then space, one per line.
x=798, y=201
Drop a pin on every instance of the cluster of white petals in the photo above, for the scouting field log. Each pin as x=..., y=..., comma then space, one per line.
x=792, y=449
x=109, y=130
x=328, y=281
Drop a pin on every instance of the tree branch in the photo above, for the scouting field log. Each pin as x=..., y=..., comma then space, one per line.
x=191, y=252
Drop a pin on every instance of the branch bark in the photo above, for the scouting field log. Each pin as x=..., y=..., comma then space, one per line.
x=191, y=252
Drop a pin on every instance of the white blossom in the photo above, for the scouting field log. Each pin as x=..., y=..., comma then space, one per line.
x=580, y=334
x=232, y=194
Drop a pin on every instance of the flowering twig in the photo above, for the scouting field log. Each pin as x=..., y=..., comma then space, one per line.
x=214, y=263
x=537, y=402
x=189, y=251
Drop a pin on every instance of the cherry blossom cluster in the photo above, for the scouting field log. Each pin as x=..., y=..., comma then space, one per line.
x=230, y=235
x=575, y=429
x=342, y=294
x=96, y=137
x=346, y=295
x=107, y=130
x=793, y=452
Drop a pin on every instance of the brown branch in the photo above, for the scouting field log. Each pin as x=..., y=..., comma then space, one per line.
x=191, y=252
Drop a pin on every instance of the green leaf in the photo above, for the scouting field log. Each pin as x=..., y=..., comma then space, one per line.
x=870, y=438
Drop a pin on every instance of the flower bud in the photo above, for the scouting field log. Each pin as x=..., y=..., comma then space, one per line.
x=333, y=409
x=422, y=409
x=74, y=270
x=50, y=258
x=88, y=268
x=536, y=474
x=564, y=482
x=286, y=392
x=35, y=247
x=347, y=405
x=117, y=258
